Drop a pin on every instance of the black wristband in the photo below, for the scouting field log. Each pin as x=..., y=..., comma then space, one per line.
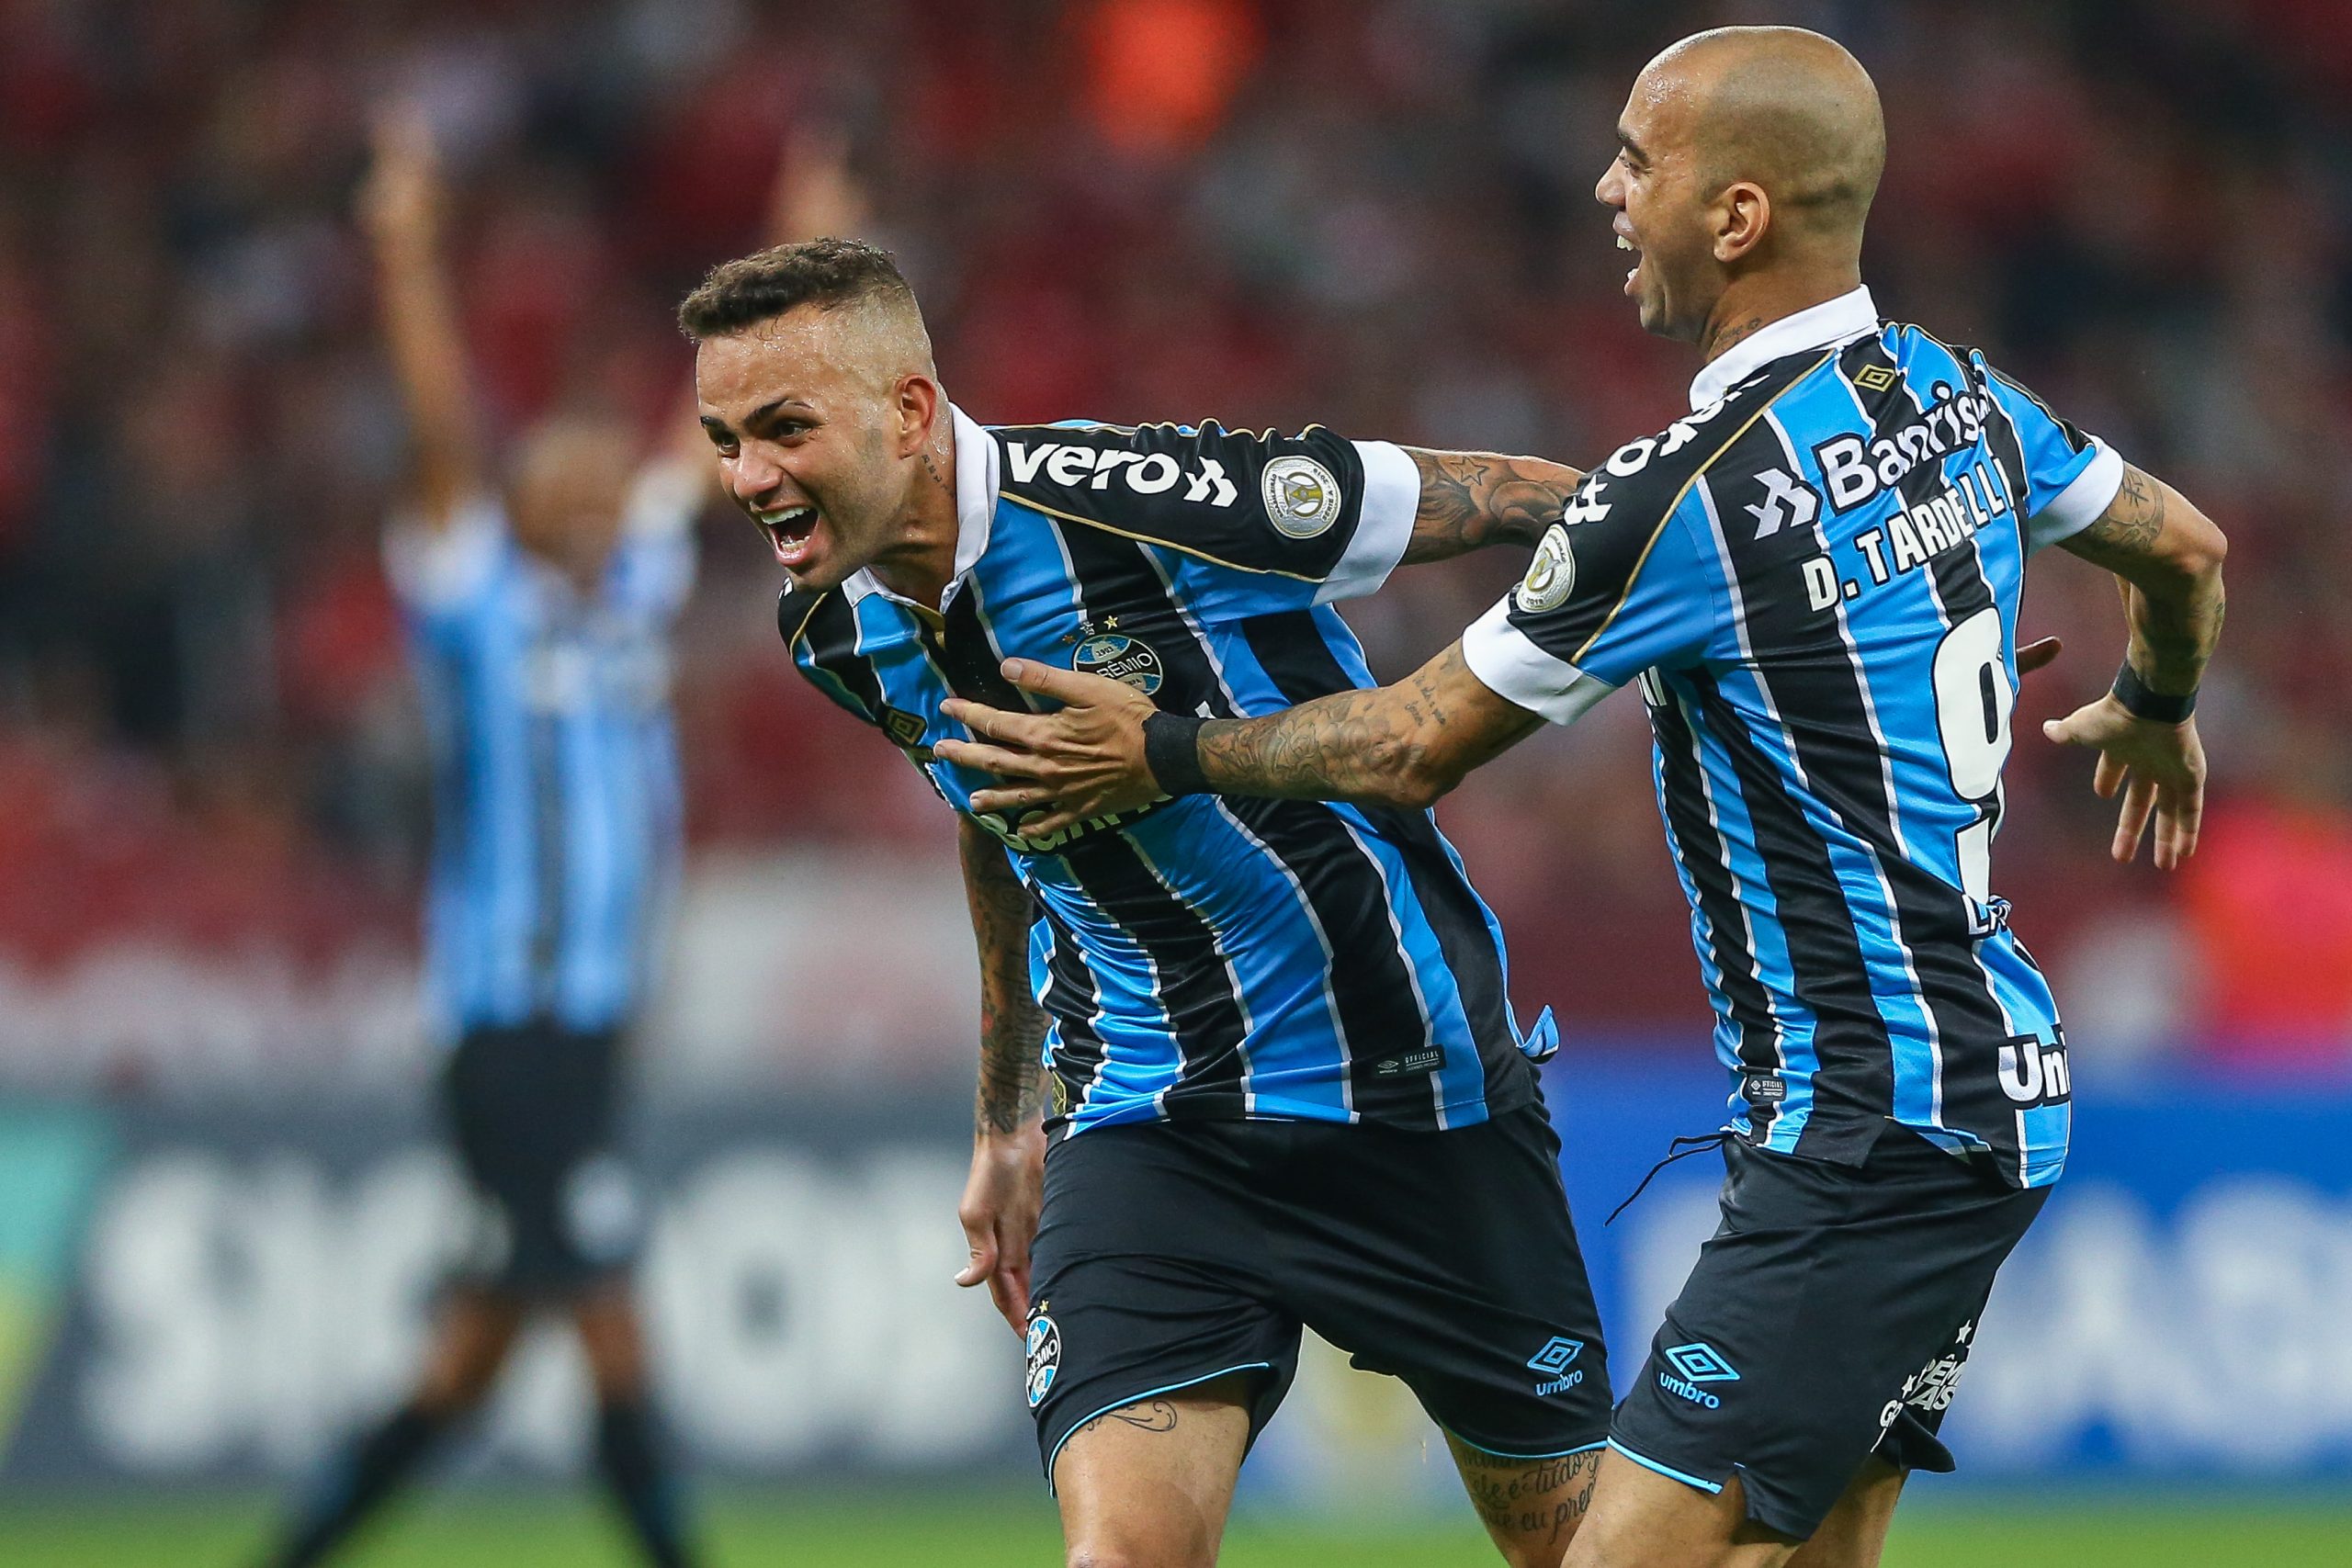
x=1172, y=748
x=2141, y=703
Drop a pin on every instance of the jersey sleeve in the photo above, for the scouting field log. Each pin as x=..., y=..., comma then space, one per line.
x=444, y=575
x=1265, y=522
x=1617, y=586
x=2070, y=478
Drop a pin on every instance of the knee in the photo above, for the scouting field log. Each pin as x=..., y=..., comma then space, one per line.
x=1549, y=1549
x=1121, y=1554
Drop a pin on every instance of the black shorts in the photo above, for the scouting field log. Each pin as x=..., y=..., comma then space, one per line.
x=1828, y=1319
x=531, y=1112
x=1170, y=1254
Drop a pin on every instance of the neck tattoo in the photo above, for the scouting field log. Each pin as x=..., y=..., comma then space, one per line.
x=1731, y=335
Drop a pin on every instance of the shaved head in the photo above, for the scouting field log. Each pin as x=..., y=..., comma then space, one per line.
x=1788, y=109
x=1748, y=158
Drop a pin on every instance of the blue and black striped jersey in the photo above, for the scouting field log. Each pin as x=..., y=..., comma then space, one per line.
x=1202, y=957
x=557, y=812
x=1816, y=578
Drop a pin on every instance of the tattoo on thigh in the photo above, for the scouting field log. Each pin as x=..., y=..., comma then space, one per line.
x=1530, y=1498
x=1157, y=1416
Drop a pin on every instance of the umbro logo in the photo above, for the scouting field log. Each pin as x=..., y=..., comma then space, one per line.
x=1698, y=1362
x=1875, y=378
x=1702, y=1362
x=1787, y=503
x=1556, y=1355
x=1555, y=1362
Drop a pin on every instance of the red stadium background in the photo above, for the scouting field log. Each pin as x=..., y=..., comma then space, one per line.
x=1372, y=214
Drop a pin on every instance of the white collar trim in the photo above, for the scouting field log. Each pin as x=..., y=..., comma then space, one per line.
x=976, y=492
x=1841, y=320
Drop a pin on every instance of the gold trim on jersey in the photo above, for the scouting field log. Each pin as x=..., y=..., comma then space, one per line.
x=1676, y=504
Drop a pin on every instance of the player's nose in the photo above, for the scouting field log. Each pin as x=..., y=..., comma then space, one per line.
x=754, y=478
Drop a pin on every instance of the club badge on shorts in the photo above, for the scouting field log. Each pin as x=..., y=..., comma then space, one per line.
x=1044, y=1343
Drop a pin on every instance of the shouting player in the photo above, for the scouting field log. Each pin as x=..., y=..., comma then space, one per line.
x=1814, y=577
x=1286, y=1086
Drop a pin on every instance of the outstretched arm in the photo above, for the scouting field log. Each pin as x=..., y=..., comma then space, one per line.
x=400, y=207
x=1470, y=499
x=2166, y=556
x=1400, y=745
x=1002, y=1196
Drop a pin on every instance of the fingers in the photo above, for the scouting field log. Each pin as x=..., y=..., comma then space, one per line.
x=1028, y=729
x=2108, y=775
x=1065, y=685
x=2131, y=824
x=1012, y=1298
x=983, y=1257
x=1014, y=1301
x=994, y=759
x=2180, y=811
x=1012, y=798
x=2038, y=655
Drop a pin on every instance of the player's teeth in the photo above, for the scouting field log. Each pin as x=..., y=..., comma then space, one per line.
x=1623, y=243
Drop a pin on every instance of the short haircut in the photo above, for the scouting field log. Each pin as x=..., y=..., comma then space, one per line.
x=759, y=287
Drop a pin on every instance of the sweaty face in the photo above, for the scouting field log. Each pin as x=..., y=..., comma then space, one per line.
x=806, y=437
x=1655, y=186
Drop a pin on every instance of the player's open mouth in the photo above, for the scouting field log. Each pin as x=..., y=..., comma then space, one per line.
x=789, y=529
x=1624, y=242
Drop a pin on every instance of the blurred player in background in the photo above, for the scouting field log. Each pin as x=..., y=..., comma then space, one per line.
x=539, y=600
x=1287, y=1084
x=1814, y=579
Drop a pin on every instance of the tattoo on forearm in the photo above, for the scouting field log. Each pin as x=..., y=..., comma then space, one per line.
x=1348, y=745
x=1157, y=1416
x=1470, y=499
x=2173, y=633
x=1519, y=1498
x=1013, y=1027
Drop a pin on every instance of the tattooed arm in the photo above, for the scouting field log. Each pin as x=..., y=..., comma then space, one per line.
x=1470, y=499
x=1401, y=745
x=2166, y=556
x=1002, y=1197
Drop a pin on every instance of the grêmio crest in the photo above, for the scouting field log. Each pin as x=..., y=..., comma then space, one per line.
x=1103, y=651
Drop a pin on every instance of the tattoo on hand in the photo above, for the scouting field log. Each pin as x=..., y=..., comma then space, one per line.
x=1470, y=499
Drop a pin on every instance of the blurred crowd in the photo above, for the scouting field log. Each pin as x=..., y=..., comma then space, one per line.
x=1373, y=214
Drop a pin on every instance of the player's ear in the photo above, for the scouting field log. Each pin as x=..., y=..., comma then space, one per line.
x=1743, y=214
x=915, y=402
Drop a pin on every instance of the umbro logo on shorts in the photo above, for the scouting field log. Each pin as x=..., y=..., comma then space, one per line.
x=1698, y=1362
x=1554, y=1361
